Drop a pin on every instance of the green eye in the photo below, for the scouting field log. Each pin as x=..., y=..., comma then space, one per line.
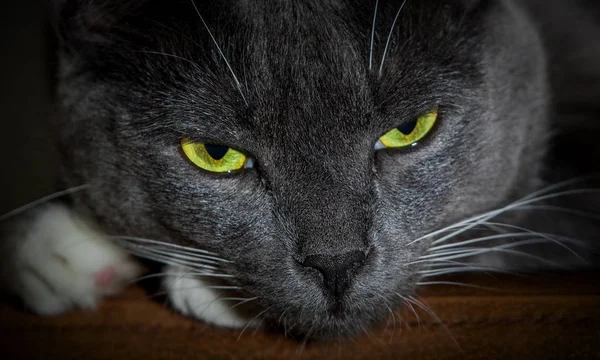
x=409, y=133
x=215, y=158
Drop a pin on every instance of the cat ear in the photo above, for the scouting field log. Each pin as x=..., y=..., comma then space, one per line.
x=82, y=21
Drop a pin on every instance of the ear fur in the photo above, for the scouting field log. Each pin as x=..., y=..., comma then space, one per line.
x=85, y=21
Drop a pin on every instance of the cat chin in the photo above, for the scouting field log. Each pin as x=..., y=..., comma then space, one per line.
x=204, y=299
x=59, y=262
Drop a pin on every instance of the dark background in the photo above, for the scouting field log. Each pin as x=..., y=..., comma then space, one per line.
x=27, y=164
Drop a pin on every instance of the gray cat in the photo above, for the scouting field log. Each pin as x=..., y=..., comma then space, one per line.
x=305, y=165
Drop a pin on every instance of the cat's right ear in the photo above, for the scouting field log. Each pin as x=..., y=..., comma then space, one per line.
x=80, y=22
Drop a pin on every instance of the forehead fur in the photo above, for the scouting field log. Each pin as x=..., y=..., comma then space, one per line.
x=229, y=71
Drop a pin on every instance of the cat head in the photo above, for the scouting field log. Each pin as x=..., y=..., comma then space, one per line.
x=319, y=219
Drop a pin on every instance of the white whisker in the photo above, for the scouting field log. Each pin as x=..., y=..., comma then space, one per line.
x=42, y=200
x=161, y=243
x=462, y=223
x=237, y=82
x=196, y=65
x=171, y=290
x=574, y=212
x=558, y=240
x=181, y=254
x=477, y=240
x=429, y=283
x=409, y=304
x=184, y=260
x=243, y=301
x=481, y=219
x=389, y=38
x=464, y=269
x=561, y=184
x=251, y=320
x=433, y=315
x=373, y=36
x=180, y=263
x=453, y=255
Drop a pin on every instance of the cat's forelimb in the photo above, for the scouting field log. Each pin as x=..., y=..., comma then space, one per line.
x=197, y=297
x=55, y=261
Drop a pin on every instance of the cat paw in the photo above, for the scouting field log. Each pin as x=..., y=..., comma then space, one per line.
x=60, y=262
x=203, y=299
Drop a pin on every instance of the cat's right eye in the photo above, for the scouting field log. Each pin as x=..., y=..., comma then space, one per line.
x=215, y=158
x=409, y=133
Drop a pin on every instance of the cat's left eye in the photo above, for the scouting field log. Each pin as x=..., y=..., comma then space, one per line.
x=409, y=133
x=215, y=158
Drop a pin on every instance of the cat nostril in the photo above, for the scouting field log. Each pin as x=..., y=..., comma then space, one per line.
x=335, y=269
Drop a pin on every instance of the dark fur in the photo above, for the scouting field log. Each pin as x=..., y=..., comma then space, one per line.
x=311, y=115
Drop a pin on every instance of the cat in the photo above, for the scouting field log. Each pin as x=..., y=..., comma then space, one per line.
x=306, y=164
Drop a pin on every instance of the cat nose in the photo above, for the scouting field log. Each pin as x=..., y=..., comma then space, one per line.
x=336, y=269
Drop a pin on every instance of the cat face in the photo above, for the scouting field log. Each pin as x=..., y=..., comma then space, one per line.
x=322, y=228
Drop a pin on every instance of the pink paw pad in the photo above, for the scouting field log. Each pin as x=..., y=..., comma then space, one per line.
x=105, y=277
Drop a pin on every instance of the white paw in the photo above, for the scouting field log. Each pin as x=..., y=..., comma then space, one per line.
x=202, y=299
x=61, y=262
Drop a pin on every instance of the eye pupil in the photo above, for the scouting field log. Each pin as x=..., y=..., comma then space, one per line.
x=408, y=127
x=216, y=151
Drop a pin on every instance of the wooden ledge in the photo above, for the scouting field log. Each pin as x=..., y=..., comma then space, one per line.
x=534, y=317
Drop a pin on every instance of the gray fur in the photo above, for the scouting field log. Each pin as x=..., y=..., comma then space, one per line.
x=309, y=111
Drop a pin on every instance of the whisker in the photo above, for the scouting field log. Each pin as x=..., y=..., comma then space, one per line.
x=188, y=265
x=531, y=241
x=465, y=266
x=215, y=287
x=409, y=304
x=186, y=257
x=190, y=256
x=554, y=238
x=473, y=252
x=434, y=315
x=168, y=259
x=243, y=301
x=584, y=214
x=237, y=82
x=469, y=249
x=562, y=184
x=182, y=261
x=182, y=275
x=305, y=340
x=206, y=306
x=480, y=219
x=428, y=283
x=196, y=65
x=548, y=238
x=166, y=292
x=251, y=321
x=42, y=200
x=236, y=299
x=464, y=269
x=161, y=243
x=476, y=240
x=462, y=223
x=373, y=36
x=392, y=315
x=387, y=43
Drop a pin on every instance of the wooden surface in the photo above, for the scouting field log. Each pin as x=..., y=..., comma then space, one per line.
x=540, y=317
